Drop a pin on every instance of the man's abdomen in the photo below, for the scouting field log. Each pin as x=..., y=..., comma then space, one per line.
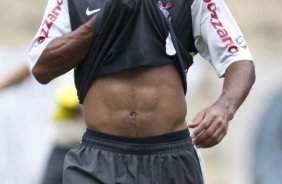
x=140, y=102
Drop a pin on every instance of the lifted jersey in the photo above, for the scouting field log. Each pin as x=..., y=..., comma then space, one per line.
x=132, y=33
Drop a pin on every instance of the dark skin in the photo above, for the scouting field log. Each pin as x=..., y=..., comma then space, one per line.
x=145, y=101
x=71, y=47
x=211, y=124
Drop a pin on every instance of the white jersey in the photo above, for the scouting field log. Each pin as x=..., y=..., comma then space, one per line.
x=217, y=37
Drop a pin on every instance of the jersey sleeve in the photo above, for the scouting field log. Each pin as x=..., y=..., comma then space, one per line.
x=217, y=36
x=55, y=24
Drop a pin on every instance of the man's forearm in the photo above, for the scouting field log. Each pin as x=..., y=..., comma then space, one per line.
x=64, y=53
x=239, y=78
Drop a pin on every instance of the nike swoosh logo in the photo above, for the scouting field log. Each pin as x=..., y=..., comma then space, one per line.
x=91, y=12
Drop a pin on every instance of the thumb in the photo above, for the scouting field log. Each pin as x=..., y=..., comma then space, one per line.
x=196, y=121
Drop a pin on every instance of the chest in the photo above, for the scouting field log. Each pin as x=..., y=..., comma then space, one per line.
x=176, y=11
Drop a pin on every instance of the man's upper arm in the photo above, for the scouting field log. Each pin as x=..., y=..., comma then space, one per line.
x=55, y=24
x=217, y=35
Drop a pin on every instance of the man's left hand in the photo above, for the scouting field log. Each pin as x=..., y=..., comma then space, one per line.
x=210, y=126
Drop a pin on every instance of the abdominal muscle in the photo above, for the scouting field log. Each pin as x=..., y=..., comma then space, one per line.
x=142, y=102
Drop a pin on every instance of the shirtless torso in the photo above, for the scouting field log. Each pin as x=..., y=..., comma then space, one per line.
x=139, y=102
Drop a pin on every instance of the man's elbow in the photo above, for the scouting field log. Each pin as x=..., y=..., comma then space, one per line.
x=252, y=72
x=41, y=76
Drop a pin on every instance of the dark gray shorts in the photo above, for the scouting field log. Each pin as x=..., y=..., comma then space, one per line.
x=106, y=159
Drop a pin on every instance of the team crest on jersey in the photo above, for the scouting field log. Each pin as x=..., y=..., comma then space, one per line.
x=164, y=7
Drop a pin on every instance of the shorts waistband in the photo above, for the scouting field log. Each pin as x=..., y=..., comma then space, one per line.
x=162, y=143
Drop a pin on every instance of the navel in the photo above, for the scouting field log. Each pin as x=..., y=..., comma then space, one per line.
x=133, y=114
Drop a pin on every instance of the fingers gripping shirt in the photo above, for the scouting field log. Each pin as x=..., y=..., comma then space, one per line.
x=204, y=26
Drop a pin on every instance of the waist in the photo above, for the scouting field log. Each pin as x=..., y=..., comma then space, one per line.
x=169, y=142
